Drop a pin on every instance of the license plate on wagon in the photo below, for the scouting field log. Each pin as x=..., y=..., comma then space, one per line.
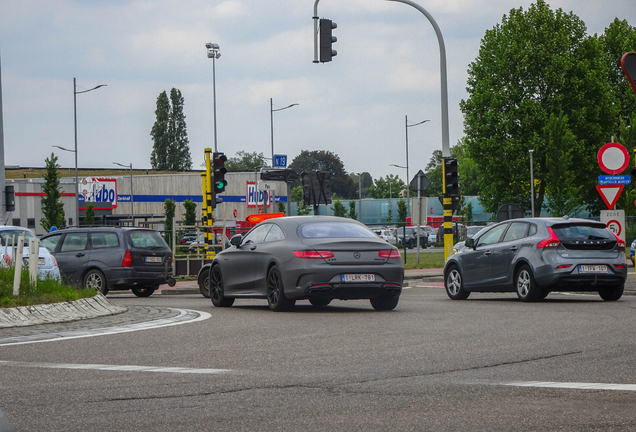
x=153, y=259
x=592, y=269
x=358, y=278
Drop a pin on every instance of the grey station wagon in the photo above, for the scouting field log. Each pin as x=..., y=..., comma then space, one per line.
x=534, y=256
x=112, y=258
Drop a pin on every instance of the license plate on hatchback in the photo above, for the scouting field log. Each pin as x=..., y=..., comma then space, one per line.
x=358, y=278
x=150, y=259
x=592, y=269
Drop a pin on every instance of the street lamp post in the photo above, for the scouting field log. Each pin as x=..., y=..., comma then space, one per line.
x=271, y=121
x=132, y=208
x=75, y=93
x=408, y=179
x=213, y=53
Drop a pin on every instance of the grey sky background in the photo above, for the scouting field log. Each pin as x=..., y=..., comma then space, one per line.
x=387, y=67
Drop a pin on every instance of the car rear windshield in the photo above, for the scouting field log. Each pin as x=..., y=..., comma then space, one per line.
x=10, y=237
x=334, y=230
x=146, y=239
x=584, y=236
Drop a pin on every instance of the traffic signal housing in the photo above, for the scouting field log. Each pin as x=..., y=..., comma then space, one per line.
x=327, y=39
x=218, y=173
x=451, y=177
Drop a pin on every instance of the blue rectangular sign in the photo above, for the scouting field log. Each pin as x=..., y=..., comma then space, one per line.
x=280, y=161
x=614, y=179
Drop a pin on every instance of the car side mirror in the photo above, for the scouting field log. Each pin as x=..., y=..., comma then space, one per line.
x=236, y=240
x=470, y=243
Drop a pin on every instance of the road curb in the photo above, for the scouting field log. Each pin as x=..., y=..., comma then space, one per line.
x=81, y=309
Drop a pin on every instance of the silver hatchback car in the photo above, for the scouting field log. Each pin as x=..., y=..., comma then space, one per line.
x=534, y=256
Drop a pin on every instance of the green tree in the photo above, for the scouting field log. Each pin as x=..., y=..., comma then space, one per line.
x=324, y=160
x=52, y=207
x=389, y=218
x=179, y=155
x=169, y=209
x=190, y=215
x=339, y=209
x=89, y=214
x=297, y=196
x=627, y=136
x=556, y=176
x=245, y=162
x=170, y=151
x=535, y=64
x=618, y=39
x=387, y=187
x=352, y=210
x=402, y=212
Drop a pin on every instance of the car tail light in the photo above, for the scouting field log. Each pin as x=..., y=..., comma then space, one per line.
x=620, y=266
x=54, y=261
x=564, y=266
x=551, y=242
x=313, y=254
x=390, y=254
x=619, y=242
x=127, y=261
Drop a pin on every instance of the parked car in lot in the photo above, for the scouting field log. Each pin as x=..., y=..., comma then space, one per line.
x=432, y=236
x=186, y=239
x=631, y=255
x=315, y=258
x=112, y=258
x=47, y=264
x=411, y=237
x=534, y=256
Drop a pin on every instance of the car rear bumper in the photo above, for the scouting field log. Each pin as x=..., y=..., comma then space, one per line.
x=572, y=280
x=125, y=277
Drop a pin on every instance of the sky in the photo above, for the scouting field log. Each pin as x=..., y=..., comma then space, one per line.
x=387, y=68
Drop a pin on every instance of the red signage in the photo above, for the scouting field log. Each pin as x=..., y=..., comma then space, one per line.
x=610, y=194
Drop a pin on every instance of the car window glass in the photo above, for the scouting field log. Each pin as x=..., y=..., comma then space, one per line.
x=582, y=232
x=257, y=235
x=334, y=230
x=50, y=243
x=492, y=236
x=274, y=234
x=10, y=237
x=74, y=242
x=533, y=230
x=104, y=240
x=516, y=231
x=146, y=239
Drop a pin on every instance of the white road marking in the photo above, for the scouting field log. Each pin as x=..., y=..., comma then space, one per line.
x=116, y=368
x=573, y=385
x=185, y=316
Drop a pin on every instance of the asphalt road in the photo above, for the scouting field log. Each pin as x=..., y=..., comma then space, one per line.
x=432, y=364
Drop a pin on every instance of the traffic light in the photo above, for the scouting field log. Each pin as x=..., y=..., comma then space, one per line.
x=451, y=177
x=327, y=40
x=218, y=173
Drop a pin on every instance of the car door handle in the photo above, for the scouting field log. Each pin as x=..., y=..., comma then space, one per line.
x=487, y=253
x=253, y=248
x=514, y=248
x=79, y=255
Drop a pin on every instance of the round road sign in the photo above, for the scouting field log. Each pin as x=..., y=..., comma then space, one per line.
x=613, y=158
x=615, y=227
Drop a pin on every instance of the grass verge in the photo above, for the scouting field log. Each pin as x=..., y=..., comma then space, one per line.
x=44, y=292
x=427, y=260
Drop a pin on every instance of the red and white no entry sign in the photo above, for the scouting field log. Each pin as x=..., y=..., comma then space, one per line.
x=613, y=158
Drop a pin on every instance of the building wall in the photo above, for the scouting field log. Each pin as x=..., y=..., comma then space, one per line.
x=149, y=195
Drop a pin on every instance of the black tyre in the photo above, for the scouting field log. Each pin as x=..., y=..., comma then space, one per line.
x=144, y=291
x=95, y=279
x=611, y=293
x=527, y=289
x=215, y=281
x=275, y=292
x=454, y=284
x=319, y=302
x=385, y=302
x=203, y=284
